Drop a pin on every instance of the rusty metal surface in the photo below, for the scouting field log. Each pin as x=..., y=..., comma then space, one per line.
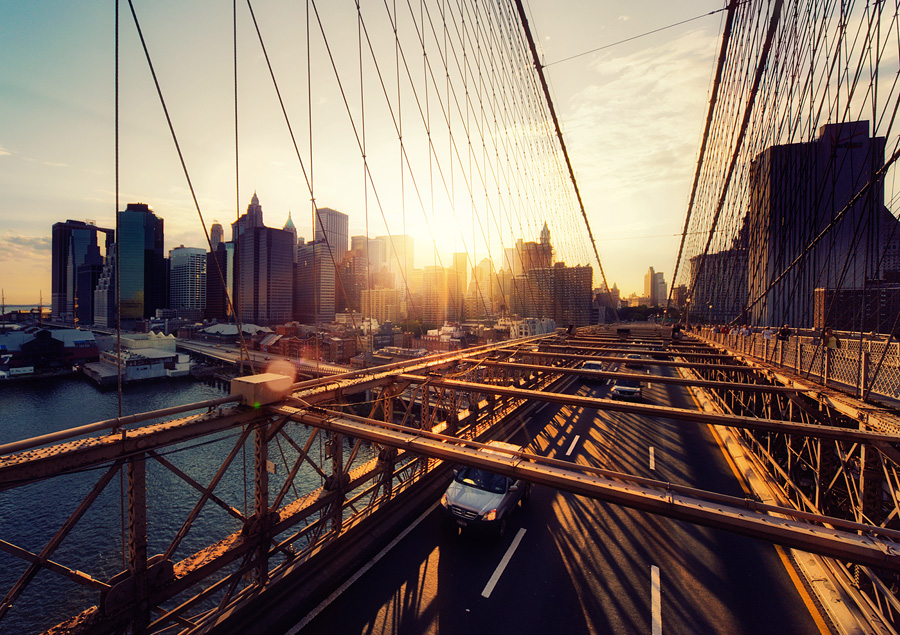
x=415, y=415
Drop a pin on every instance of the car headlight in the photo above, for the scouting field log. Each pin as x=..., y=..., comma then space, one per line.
x=491, y=515
x=444, y=500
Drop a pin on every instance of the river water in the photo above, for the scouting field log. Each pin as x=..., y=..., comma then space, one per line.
x=31, y=514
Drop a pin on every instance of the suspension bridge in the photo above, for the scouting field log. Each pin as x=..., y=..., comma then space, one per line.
x=753, y=486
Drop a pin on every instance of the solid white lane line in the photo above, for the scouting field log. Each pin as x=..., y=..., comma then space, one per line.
x=572, y=447
x=652, y=459
x=356, y=576
x=489, y=587
x=655, y=603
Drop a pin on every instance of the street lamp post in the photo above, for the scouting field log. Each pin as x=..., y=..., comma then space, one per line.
x=709, y=317
x=687, y=302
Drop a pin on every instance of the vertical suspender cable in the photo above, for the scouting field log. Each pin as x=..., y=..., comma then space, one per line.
x=540, y=71
x=748, y=111
x=723, y=50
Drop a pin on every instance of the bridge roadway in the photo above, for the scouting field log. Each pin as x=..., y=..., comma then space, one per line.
x=576, y=565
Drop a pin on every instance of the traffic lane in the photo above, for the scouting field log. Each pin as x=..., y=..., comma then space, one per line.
x=587, y=567
x=756, y=579
x=662, y=449
x=582, y=566
x=432, y=581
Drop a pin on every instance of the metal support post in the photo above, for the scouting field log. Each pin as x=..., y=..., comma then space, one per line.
x=337, y=481
x=261, y=501
x=137, y=541
x=864, y=360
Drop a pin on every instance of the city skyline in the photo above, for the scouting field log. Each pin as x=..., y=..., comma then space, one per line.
x=633, y=163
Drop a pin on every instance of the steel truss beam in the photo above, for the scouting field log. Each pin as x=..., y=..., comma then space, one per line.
x=682, y=414
x=878, y=547
x=678, y=381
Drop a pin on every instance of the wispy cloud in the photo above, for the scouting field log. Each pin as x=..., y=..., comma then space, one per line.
x=639, y=120
x=52, y=164
x=25, y=248
x=4, y=152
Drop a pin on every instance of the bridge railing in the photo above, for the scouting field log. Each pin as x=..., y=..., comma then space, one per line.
x=188, y=518
x=862, y=366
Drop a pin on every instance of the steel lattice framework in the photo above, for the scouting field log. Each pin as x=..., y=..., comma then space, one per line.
x=332, y=464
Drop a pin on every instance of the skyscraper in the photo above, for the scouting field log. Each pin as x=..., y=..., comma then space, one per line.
x=655, y=287
x=187, y=281
x=216, y=235
x=141, y=263
x=457, y=278
x=265, y=266
x=74, y=245
x=219, y=278
x=332, y=227
x=399, y=251
x=105, y=292
x=797, y=192
x=253, y=217
x=290, y=227
x=315, y=299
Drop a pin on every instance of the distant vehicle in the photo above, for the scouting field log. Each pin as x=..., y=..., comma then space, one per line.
x=659, y=352
x=267, y=357
x=633, y=360
x=481, y=500
x=593, y=366
x=627, y=389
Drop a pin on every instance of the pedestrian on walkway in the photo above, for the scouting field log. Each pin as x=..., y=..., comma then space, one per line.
x=784, y=333
x=830, y=340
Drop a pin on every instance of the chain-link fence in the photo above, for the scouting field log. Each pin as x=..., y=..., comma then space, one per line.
x=863, y=366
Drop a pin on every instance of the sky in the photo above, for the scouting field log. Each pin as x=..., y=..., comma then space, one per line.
x=632, y=116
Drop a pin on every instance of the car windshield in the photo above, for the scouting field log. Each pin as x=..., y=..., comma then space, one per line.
x=628, y=383
x=591, y=366
x=482, y=479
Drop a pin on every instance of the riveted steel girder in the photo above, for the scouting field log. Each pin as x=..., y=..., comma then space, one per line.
x=882, y=551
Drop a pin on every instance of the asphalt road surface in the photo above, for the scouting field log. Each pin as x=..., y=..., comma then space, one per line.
x=568, y=564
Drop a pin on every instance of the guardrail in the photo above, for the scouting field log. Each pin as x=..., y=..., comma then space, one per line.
x=862, y=367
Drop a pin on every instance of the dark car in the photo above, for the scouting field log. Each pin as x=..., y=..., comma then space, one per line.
x=633, y=360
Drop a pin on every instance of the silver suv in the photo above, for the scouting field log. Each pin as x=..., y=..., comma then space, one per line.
x=481, y=500
x=628, y=389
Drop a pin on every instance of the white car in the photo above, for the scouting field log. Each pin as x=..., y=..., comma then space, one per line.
x=628, y=389
x=592, y=366
x=481, y=500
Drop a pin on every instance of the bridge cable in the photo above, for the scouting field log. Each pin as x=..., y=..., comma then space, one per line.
x=543, y=80
x=713, y=99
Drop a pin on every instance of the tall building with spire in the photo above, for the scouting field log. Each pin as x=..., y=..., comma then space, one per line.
x=264, y=271
x=252, y=218
x=289, y=227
